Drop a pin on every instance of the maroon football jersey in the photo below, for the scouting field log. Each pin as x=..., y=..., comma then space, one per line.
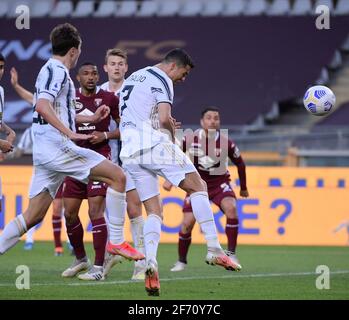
x=88, y=106
x=210, y=156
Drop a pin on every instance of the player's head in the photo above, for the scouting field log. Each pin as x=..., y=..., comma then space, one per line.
x=66, y=42
x=88, y=76
x=115, y=64
x=210, y=118
x=2, y=65
x=177, y=64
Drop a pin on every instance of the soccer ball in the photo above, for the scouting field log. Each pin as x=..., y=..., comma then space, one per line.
x=319, y=100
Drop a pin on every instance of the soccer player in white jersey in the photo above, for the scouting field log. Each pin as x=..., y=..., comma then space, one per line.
x=55, y=155
x=148, y=150
x=116, y=67
x=5, y=145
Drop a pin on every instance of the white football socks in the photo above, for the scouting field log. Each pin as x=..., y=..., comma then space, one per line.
x=204, y=216
x=152, y=231
x=30, y=235
x=116, y=206
x=137, y=225
x=12, y=233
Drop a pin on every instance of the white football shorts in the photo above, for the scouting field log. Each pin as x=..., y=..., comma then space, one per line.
x=72, y=161
x=165, y=159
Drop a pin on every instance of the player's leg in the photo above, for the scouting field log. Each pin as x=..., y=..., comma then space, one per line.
x=75, y=231
x=96, y=207
x=113, y=175
x=175, y=166
x=43, y=188
x=152, y=232
x=147, y=186
x=57, y=211
x=184, y=237
x=228, y=206
x=134, y=211
x=29, y=240
x=73, y=193
x=84, y=164
x=36, y=211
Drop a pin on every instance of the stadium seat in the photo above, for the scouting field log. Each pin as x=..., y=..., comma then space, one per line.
x=255, y=7
x=191, y=8
x=41, y=8
x=147, y=9
x=336, y=61
x=342, y=7
x=126, y=8
x=106, y=8
x=212, y=8
x=4, y=7
x=62, y=9
x=234, y=7
x=328, y=3
x=83, y=9
x=345, y=45
x=279, y=8
x=168, y=8
x=323, y=78
x=11, y=12
x=302, y=8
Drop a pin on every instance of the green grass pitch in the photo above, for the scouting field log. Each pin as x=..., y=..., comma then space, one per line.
x=269, y=272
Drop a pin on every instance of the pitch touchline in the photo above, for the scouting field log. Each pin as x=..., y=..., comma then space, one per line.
x=234, y=276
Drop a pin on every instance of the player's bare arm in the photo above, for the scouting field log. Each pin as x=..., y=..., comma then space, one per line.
x=101, y=113
x=22, y=92
x=165, y=119
x=10, y=134
x=244, y=193
x=167, y=185
x=45, y=109
x=5, y=146
x=99, y=136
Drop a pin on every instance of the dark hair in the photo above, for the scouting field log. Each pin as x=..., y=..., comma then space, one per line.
x=64, y=37
x=2, y=58
x=115, y=52
x=179, y=56
x=209, y=109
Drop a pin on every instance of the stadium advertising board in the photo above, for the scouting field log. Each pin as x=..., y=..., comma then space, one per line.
x=287, y=206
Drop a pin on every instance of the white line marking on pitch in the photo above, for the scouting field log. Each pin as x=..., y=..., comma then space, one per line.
x=233, y=276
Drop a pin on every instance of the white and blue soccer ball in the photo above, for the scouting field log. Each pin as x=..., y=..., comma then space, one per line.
x=319, y=100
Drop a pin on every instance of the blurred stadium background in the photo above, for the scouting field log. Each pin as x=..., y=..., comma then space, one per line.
x=254, y=60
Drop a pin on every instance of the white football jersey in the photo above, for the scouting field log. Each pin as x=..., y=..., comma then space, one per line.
x=54, y=84
x=141, y=93
x=2, y=105
x=114, y=144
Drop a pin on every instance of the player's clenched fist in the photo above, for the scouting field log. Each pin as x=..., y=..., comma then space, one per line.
x=102, y=112
x=5, y=146
x=244, y=193
x=98, y=137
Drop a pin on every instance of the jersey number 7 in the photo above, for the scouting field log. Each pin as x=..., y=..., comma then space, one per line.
x=127, y=89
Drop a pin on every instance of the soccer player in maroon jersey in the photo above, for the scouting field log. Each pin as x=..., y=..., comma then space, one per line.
x=207, y=147
x=88, y=99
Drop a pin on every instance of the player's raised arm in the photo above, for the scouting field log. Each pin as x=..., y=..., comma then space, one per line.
x=22, y=92
x=165, y=119
x=10, y=134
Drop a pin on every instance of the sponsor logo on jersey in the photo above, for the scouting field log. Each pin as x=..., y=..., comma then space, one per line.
x=78, y=105
x=97, y=102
